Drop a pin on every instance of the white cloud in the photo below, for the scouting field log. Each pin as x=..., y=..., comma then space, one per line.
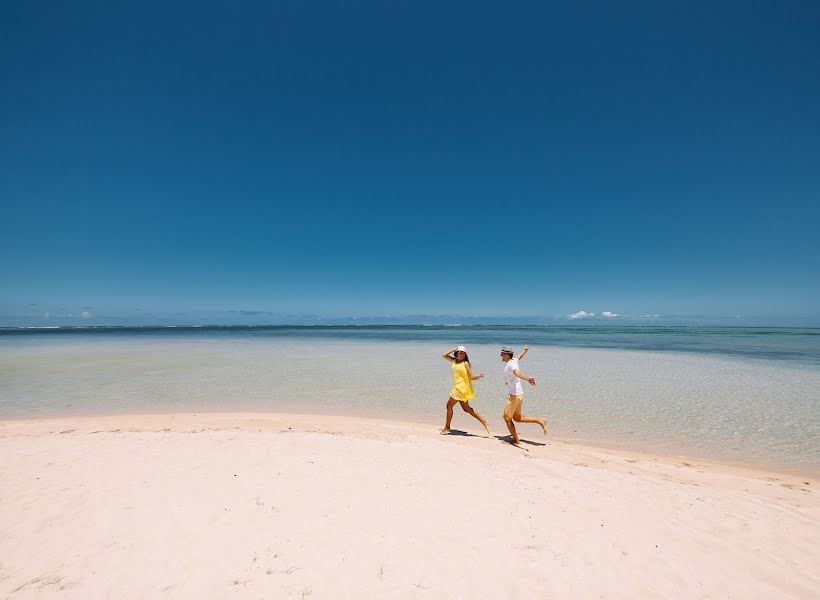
x=581, y=314
x=609, y=315
x=86, y=314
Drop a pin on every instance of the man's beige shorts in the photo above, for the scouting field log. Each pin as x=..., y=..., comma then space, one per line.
x=513, y=408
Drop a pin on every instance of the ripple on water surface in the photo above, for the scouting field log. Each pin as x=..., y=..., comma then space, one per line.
x=746, y=410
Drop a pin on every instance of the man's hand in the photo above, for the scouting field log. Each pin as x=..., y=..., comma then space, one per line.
x=525, y=377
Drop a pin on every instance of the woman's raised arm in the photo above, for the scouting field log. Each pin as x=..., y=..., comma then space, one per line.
x=470, y=373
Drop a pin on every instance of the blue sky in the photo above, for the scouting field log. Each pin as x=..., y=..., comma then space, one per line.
x=371, y=158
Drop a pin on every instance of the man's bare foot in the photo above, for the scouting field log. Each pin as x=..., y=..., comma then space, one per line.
x=543, y=424
x=444, y=431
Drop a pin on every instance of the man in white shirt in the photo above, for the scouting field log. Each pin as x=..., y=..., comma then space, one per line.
x=515, y=393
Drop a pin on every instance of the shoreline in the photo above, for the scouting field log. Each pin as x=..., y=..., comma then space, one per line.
x=614, y=445
x=286, y=505
x=702, y=407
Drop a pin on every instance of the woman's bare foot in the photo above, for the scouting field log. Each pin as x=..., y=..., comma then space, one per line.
x=487, y=427
x=543, y=424
x=444, y=431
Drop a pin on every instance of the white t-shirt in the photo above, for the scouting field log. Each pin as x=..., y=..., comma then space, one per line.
x=511, y=379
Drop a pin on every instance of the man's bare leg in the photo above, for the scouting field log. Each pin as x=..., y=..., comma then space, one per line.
x=450, y=404
x=513, y=432
x=518, y=417
x=471, y=411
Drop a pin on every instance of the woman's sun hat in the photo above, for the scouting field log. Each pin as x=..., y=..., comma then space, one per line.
x=461, y=349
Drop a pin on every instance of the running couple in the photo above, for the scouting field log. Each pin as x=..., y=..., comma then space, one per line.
x=462, y=391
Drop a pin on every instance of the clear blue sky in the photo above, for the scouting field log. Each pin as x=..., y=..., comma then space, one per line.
x=519, y=158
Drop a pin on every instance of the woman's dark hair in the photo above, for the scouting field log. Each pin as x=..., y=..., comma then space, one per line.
x=466, y=358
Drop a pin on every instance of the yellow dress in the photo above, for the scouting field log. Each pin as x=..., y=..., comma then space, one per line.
x=462, y=384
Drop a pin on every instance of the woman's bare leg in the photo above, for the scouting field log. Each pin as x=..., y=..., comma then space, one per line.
x=471, y=411
x=450, y=404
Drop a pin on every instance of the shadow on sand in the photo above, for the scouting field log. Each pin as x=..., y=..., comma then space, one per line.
x=507, y=439
x=463, y=433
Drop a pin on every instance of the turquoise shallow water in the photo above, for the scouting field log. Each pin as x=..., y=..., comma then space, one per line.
x=745, y=395
x=798, y=345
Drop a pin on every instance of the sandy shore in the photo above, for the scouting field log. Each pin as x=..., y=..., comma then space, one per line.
x=279, y=506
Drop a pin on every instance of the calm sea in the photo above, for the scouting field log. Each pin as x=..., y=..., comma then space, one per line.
x=749, y=395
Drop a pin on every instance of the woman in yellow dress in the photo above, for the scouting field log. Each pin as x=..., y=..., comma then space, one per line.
x=462, y=391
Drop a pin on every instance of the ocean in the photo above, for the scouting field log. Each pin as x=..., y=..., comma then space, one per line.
x=744, y=395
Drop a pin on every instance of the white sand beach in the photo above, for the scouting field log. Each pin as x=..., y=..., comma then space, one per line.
x=281, y=506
